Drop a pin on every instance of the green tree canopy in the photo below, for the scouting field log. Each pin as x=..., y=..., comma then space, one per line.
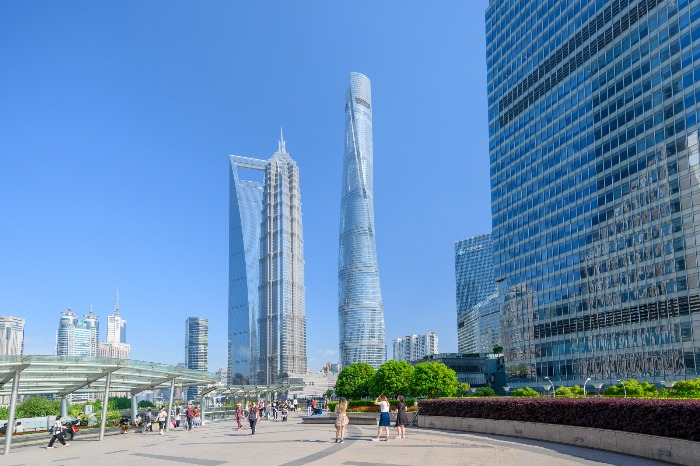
x=391, y=379
x=433, y=379
x=353, y=381
x=146, y=404
x=687, y=389
x=485, y=391
x=527, y=392
x=463, y=389
x=38, y=406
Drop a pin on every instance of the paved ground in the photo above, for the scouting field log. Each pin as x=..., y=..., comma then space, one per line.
x=293, y=443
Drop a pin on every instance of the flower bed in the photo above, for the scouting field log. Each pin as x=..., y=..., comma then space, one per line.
x=665, y=418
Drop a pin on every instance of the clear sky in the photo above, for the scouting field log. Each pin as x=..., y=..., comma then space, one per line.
x=117, y=119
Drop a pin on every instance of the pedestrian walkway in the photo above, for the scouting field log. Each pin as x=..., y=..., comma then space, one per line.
x=295, y=444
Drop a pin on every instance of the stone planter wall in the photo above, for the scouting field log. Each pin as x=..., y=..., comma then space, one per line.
x=666, y=449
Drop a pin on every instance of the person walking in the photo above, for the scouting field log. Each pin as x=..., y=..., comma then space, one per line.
x=253, y=416
x=384, y=418
x=401, y=417
x=189, y=415
x=57, y=433
x=341, y=420
x=162, y=418
x=239, y=416
x=148, y=426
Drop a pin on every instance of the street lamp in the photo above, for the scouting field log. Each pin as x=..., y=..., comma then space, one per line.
x=554, y=392
x=668, y=384
x=624, y=387
x=584, y=386
x=507, y=389
x=598, y=386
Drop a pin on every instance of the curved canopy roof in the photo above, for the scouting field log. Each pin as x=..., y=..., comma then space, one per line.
x=63, y=375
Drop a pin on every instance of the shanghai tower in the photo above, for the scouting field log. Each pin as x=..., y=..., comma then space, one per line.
x=360, y=313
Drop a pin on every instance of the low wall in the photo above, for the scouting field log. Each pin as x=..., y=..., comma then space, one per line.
x=671, y=450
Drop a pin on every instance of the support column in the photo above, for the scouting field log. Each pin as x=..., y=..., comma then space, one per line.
x=64, y=406
x=202, y=407
x=134, y=408
x=170, y=404
x=11, y=414
x=105, y=402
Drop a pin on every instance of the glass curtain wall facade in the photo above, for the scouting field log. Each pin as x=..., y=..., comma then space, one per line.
x=474, y=280
x=594, y=175
x=360, y=311
x=76, y=337
x=480, y=326
x=282, y=293
x=196, y=349
x=245, y=215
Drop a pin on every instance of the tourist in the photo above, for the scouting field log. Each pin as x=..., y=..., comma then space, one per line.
x=149, y=422
x=189, y=415
x=19, y=428
x=253, y=416
x=57, y=433
x=384, y=418
x=313, y=406
x=295, y=404
x=341, y=420
x=162, y=418
x=261, y=409
x=124, y=423
x=239, y=416
x=197, y=420
x=401, y=417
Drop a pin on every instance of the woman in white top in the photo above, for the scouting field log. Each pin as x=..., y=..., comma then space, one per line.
x=57, y=433
x=384, y=419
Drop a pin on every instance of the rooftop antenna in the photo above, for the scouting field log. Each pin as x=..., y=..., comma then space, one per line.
x=281, y=141
x=116, y=304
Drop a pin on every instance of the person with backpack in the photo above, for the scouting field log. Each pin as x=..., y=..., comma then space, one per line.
x=57, y=433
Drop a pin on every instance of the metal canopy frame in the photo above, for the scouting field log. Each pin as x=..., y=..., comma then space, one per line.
x=65, y=375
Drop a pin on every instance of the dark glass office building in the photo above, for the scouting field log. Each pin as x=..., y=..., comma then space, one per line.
x=594, y=176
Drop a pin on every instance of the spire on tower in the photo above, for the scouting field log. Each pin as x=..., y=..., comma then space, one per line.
x=281, y=141
x=116, y=304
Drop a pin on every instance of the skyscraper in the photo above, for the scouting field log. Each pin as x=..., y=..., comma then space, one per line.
x=116, y=345
x=593, y=111
x=474, y=280
x=245, y=216
x=282, y=313
x=11, y=336
x=196, y=349
x=75, y=337
x=360, y=312
x=267, y=320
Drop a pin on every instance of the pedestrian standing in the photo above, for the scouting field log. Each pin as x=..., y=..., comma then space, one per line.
x=162, y=419
x=253, y=416
x=384, y=418
x=239, y=416
x=57, y=433
x=261, y=409
x=295, y=404
x=341, y=420
x=401, y=417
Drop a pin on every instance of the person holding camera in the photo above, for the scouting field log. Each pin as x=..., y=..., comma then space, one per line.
x=384, y=419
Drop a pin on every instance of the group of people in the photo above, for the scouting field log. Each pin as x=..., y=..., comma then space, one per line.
x=342, y=420
x=262, y=410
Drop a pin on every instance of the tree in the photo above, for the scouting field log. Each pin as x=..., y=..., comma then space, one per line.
x=391, y=379
x=353, y=381
x=463, y=389
x=485, y=391
x=433, y=379
x=525, y=392
x=687, y=389
x=498, y=349
x=146, y=404
x=329, y=393
x=37, y=407
x=633, y=388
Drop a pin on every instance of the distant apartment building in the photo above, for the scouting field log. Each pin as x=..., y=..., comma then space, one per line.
x=414, y=347
x=474, y=280
x=196, y=349
x=116, y=345
x=11, y=336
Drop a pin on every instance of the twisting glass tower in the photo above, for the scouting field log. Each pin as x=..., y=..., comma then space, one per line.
x=282, y=314
x=360, y=313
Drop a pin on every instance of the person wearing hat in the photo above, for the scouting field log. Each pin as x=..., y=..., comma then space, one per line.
x=239, y=415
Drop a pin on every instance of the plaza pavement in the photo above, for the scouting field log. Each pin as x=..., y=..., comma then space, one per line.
x=293, y=443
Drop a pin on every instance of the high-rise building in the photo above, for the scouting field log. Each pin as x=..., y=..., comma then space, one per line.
x=11, y=336
x=196, y=349
x=360, y=312
x=116, y=345
x=474, y=280
x=267, y=320
x=479, y=327
x=76, y=337
x=245, y=216
x=415, y=347
x=593, y=123
x=282, y=331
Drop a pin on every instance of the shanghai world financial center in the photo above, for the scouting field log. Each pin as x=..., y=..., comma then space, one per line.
x=593, y=142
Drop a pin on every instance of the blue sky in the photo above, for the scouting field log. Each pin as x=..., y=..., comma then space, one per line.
x=117, y=118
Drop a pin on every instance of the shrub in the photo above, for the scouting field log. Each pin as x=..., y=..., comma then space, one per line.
x=485, y=391
x=525, y=392
x=665, y=418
